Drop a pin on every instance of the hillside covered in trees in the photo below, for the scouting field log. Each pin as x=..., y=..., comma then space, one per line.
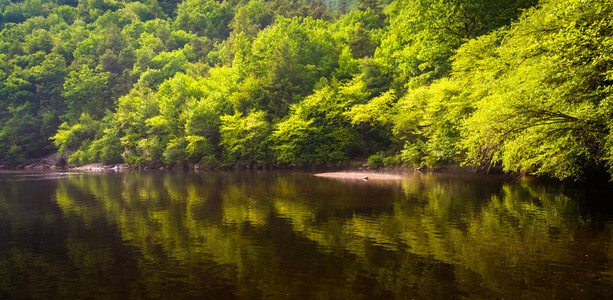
x=523, y=84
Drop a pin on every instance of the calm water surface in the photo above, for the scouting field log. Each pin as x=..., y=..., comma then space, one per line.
x=295, y=236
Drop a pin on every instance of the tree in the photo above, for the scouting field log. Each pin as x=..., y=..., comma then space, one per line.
x=428, y=121
x=548, y=110
x=72, y=136
x=250, y=19
x=317, y=131
x=204, y=17
x=242, y=137
x=374, y=5
x=86, y=91
x=426, y=33
x=20, y=135
x=291, y=57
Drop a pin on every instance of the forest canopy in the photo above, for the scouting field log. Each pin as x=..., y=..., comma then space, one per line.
x=520, y=84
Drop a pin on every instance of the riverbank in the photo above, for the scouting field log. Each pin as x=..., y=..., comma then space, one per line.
x=59, y=162
x=359, y=175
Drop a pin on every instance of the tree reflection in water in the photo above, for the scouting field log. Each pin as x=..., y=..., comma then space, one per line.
x=292, y=235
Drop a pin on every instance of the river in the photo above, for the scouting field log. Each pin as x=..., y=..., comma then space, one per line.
x=287, y=235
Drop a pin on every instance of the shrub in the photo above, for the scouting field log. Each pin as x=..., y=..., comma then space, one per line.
x=375, y=161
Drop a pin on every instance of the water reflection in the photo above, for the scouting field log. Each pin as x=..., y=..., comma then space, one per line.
x=281, y=235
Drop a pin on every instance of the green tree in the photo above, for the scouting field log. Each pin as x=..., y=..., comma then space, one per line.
x=374, y=5
x=251, y=18
x=20, y=135
x=291, y=57
x=426, y=33
x=242, y=137
x=204, y=17
x=547, y=112
x=317, y=131
x=86, y=91
x=74, y=138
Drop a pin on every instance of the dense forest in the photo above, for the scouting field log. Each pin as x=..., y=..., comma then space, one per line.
x=521, y=84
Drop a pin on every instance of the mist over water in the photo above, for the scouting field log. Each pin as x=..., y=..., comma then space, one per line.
x=292, y=235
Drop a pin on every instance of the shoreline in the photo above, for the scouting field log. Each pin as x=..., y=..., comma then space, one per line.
x=358, y=175
x=55, y=162
x=46, y=165
x=347, y=172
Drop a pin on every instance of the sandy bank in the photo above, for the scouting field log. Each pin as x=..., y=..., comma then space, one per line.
x=101, y=167
x=357, y=175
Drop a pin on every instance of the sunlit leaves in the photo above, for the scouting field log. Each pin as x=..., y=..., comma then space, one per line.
x=544, y=113
x=376, y=112
x=241, y=137
x=425, y=34
x=69, y=137
x=317, y=131
x=294, y=140
x=86, y=92
x=429, y=120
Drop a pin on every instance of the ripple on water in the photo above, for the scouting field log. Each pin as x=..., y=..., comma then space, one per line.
x=33, y=176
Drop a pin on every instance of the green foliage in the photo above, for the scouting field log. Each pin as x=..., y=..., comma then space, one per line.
x=204, y=17
x=376, y=112
x=317, y=131
x=295, y=140
x=242, y=137
x=251, y=18
x=375, y=161
x=76, y=140
x=87, y=92
x=429, y=118
x=175, y=154
x=204, y=110
x=200, y=150
x=291, y=57
x=417, y=82
x=425, y=34
x=110, y=147
x=19, y=136
x=412, y=154
x=547, y=112
x=347, y=65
